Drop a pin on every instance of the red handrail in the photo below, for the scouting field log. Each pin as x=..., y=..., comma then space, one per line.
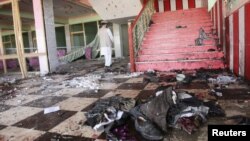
x=131, y=26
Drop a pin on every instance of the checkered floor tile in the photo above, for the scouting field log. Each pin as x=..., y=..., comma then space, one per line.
x=19, y=134
x=25, y=113
x=23, y=118
x=4, y=107
x=44, y=122
x=16, y=114
x=58, y=137
x=74, y=127
x=2, y=127
x=76, y=103
x=45, y=102
x=132, y=86
x=93, y=93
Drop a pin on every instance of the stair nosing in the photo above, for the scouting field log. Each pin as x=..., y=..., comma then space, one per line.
x=197, y=52
x=172, y=61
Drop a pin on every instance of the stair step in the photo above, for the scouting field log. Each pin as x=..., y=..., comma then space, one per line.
x=181, y=56
x=194, y=13
x=189, y=27
x=185, y=11
x=179, y=65
x=165, y=46
x=177, y=44
x=188, y=24
x=174, y=36
x=181, y=14
x=174, y=30
x=201, y=21
x=181, y=19
x=172, y=45
x=176, y=50
x=177, y=41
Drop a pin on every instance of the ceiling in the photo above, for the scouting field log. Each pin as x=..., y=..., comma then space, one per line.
x=63, y=9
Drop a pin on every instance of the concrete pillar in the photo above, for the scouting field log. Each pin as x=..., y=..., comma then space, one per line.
x=40, y=36
x=161, y=5
x=117, y=40
x=2, y=52
x=49, y=21
x=68, y=38
x=31, y=45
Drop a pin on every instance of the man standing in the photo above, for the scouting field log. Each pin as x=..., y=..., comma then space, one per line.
x=106, y=41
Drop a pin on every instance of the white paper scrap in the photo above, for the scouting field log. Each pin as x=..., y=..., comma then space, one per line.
x=51, y=109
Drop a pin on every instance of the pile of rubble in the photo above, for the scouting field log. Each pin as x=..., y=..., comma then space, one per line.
x=165, y=109
x=88, y=81
x=152, y=119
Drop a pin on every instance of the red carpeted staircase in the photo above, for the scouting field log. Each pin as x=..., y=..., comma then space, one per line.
x=170, y=43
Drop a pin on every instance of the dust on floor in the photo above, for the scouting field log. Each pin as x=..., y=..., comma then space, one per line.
x=22, y=102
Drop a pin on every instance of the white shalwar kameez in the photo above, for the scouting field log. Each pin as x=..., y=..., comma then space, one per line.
x=106, y=41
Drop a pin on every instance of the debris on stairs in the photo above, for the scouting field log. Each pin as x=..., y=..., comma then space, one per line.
x=172, y=43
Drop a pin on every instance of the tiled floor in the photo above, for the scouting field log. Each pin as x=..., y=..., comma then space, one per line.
x=44, y=122
x=4, y=107
x=23, y=118
x=16, y=114
x=45, y=102
x=19, y=134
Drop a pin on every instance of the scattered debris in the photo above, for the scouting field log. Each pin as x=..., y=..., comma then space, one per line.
x=150, y=76
x=181, y=110
x=216, y=93
x=47, y=79
x=134, y=74
x=151, y=22
x=120, y=133
x=240, y=120
x=202, y=36
x=184, y=79
x=88, y=82
x=222, y=80
x=8, y=80
x=180, y=26
x=180, y=77
x=7, y=90
x=106, y=111
x=51, y=109
x=215, y=109
x=211, y=50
